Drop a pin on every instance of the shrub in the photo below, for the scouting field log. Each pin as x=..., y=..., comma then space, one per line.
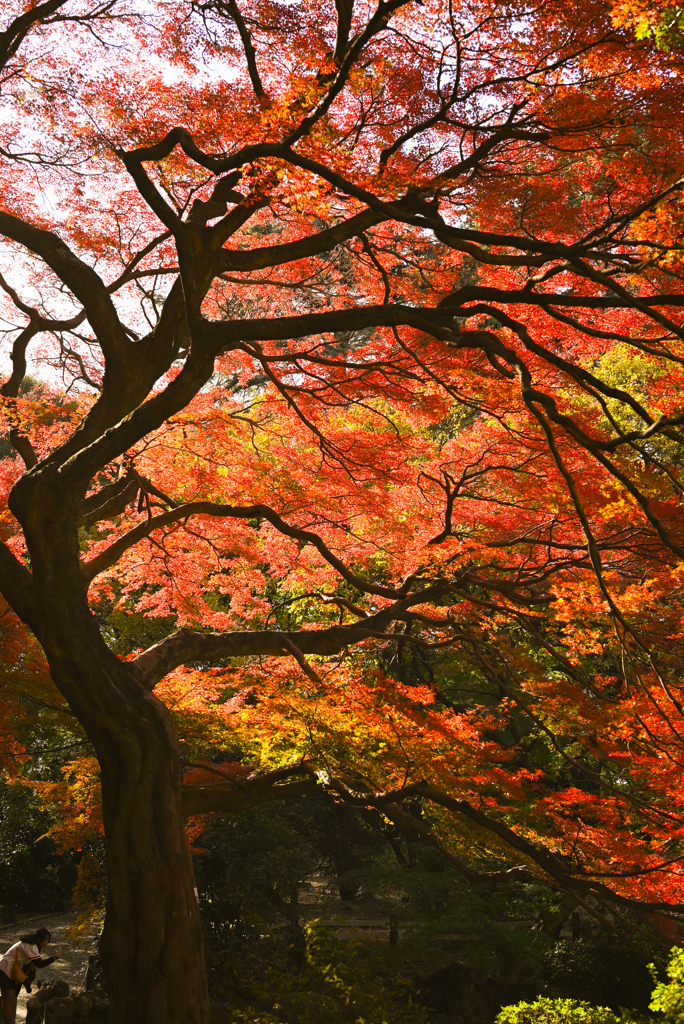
x=668, y=996
x=556, y=1011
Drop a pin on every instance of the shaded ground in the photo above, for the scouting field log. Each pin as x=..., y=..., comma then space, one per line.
x=71, y=966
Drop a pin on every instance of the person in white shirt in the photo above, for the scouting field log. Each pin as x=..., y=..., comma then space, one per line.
x=25, y=954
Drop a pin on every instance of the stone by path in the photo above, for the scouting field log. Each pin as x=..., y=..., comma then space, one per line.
x=70, y=968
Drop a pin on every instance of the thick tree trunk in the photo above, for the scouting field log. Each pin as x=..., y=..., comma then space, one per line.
x=152, y=946
x=153, y=950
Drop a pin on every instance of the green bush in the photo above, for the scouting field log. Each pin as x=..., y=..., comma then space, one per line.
x=34, y=876
x=668, y=996
x=333, y=981
x=556, y=1011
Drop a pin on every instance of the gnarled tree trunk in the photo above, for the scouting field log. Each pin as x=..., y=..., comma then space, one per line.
x=152, y=946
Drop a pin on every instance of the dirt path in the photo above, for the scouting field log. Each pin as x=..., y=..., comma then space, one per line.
x=69, y=968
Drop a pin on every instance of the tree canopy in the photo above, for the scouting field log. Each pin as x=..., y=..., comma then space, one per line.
x=343, y=436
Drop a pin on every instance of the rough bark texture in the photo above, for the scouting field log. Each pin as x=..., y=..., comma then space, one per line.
x=153, y=940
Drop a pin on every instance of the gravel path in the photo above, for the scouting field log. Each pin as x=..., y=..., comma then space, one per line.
x=69, y=968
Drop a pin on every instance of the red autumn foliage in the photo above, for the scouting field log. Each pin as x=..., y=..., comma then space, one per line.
x=353, y=430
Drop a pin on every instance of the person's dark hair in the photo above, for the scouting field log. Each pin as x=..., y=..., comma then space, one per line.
x=35, y=938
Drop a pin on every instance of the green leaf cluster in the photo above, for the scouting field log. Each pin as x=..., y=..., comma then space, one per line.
x=556, y=1011
x=668, y=996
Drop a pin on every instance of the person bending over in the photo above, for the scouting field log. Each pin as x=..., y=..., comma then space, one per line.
x=25, y=957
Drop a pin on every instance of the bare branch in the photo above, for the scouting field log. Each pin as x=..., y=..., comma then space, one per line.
x=345, y=11
x=17, y=30
x=271, y=787
x=208, y=508
x=227, y=799
x=81, y=279
x=16, y=586
x=109, y=501
x=231, y=8
x=186, y=646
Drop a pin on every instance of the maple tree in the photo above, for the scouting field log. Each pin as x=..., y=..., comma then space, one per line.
x=353, y=431
x=661, y=21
